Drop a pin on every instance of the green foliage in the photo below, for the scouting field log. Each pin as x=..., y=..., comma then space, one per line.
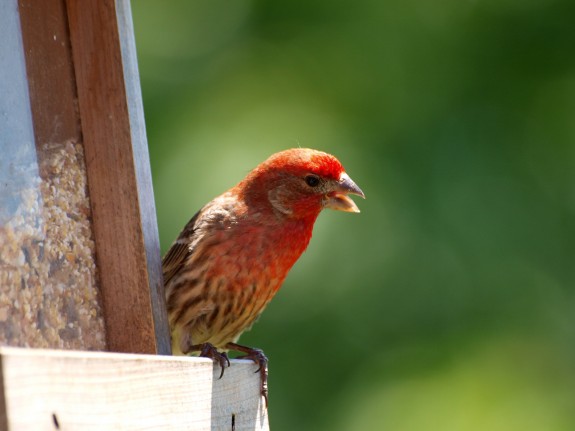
x=447, y=304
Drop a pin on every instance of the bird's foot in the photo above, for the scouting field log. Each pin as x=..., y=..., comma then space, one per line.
x=256, y=355
x=208, y=350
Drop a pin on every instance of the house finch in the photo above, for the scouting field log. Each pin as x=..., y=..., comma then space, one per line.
x=233, y=255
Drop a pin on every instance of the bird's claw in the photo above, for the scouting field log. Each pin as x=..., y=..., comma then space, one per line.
x=209, y=351
x=258, y=357
x=261, y=360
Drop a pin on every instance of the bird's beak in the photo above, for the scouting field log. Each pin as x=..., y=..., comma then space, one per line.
x=338, y=199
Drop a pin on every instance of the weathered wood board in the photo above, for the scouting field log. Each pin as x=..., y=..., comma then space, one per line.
x=73, y=390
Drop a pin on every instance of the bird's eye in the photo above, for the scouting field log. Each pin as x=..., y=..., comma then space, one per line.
x=312, y=180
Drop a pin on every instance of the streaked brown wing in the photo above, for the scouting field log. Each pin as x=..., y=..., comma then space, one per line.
x=174, y=259
x=215, y=215
x=176, y=256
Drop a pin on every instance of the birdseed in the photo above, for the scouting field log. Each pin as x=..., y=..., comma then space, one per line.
x=49, y=295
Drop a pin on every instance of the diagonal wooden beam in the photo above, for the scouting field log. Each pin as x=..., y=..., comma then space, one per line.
x=119, y=181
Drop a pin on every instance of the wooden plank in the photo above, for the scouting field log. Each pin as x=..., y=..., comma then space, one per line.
x=50, y=71
x=106, y=391
x=128, y=287
x=143, y=175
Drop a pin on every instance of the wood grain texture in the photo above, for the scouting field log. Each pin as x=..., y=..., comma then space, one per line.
x=50, y=71
x=143, y=175
x=130, y=289
x=106, y=391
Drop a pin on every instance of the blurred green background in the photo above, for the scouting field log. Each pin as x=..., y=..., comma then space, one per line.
x=448, y=303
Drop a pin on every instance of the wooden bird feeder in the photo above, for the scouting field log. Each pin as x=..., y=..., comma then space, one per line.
x=83, y=329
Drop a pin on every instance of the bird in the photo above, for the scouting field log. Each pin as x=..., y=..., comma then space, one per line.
x=232, y=257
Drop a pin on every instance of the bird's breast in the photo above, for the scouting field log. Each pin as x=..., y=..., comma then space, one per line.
x=261, y=256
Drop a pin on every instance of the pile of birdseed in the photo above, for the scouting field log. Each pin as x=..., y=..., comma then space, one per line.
x=49, y=294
